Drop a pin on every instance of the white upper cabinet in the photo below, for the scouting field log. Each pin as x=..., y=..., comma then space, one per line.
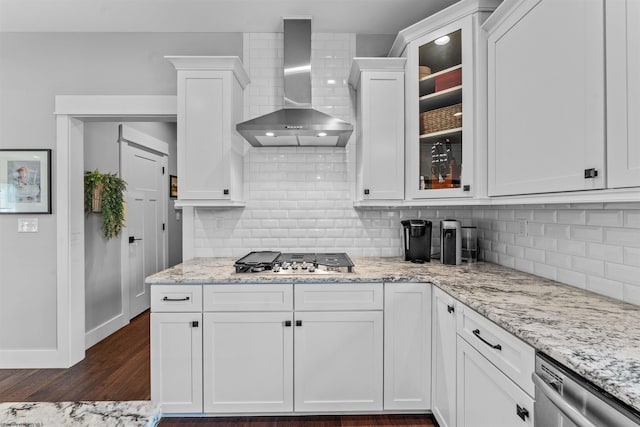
x=210, y=151
x=546, y=98
x=445, y=98
x=379, y=83
x=623, y=93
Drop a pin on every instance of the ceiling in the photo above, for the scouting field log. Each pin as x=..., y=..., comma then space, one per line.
x=329, y=16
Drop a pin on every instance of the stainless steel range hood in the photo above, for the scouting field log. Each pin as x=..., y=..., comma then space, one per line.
x=297, y=124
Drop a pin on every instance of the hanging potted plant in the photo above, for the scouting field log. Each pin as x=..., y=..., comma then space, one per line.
x=104, y=193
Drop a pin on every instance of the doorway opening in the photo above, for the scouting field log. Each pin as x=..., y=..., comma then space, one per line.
x=72, y=113
x=143, y=154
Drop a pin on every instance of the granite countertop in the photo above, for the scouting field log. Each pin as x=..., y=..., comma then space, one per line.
x=595, y=336
x=141, y=413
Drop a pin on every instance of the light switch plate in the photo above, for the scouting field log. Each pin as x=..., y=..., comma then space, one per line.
x=27, y=225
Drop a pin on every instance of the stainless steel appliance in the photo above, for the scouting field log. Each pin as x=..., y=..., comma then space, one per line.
x=294, y=263
x=417, y=240
x=563, y=399
x=450, y=242
x=297, y=124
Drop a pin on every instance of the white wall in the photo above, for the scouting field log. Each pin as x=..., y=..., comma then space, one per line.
x=103, y=288
x=34, y=67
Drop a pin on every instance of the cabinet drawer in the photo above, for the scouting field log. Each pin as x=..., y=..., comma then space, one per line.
x=512, y=356
x=338, y=296
x=176, y=298
x=267, y=297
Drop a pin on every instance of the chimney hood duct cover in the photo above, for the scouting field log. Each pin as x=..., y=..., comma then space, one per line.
x=297, y=124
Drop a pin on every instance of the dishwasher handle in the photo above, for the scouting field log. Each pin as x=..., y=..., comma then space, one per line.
x=572, y=413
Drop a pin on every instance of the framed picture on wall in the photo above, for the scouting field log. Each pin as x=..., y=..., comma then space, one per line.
x=173, y=186
x=25, y=181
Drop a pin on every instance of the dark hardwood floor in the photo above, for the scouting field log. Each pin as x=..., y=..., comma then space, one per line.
x=117, y=368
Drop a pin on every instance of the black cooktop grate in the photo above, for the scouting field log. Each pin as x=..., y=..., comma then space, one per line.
x=264, y=260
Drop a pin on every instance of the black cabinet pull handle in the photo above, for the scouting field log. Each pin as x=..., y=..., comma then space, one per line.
x=366, y=191
x=476, y=332
x=133, y=239
x=176, y=299
x=287, y=323
x=522, y=412
x=590, y=173
x=450, y=308
x=194, y=324
x=225, y=191
x=298, y=322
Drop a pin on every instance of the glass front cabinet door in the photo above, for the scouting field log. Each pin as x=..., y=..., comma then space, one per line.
x=445, y=103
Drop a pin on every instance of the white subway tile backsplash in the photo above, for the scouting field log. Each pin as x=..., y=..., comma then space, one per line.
x=605, y=252
x=632, y=218
x=610, y=288
x=558, y=260
x=571, y=216
x=586, y=233
x=572, y=278
x=588, y=265
x=609, y=218
x=622, y=236
x=623, y=273
x=632, y=256
x=572, y=247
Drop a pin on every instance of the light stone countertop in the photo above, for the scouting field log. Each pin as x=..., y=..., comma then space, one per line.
x=595, y=336
x=139, y=413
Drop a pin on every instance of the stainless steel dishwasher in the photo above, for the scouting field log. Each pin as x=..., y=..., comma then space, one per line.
x=564, y=399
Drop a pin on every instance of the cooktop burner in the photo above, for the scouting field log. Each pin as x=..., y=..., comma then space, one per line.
x=294, y=263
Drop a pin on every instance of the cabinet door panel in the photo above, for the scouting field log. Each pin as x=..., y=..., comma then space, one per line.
x=546, y=98
x=176, y=361
x=623, y=93
x=383, y=113
x=248, y=362
x=443, y=383
x=407, y=319
x=203, y=137
x=338, y=361
x=485, y=396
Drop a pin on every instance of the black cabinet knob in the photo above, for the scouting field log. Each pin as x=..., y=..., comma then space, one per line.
x=366, y=191
x=225, y=191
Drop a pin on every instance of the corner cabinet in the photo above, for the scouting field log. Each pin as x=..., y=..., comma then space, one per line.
x=379, y=86
x=210, y=151
x=445, y=132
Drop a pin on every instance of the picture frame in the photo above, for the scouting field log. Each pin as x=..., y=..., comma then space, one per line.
x=25, y=181
x=173, y=186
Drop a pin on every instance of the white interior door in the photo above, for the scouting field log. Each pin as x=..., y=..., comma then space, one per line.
x=143, y=169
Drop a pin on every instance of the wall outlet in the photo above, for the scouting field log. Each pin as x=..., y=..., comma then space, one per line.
x=523, y=227
x=27, y=225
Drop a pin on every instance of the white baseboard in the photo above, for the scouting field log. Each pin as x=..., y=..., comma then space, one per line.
x=100, y=332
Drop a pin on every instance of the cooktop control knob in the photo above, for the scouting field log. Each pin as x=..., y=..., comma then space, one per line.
x=276, y=268
x=312, y=268
x=294, y=265
x=285, y=265
x=304, y=265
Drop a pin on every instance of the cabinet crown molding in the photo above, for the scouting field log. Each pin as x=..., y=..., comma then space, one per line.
x=437, y=20
x=212, y=63
x=360, y=64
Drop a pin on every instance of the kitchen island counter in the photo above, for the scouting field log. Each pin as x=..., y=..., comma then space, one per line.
x=595, y=336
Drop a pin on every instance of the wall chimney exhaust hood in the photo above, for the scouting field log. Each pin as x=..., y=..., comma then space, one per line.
x=297, y=124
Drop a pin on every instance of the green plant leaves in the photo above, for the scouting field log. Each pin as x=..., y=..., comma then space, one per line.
x=112, y=200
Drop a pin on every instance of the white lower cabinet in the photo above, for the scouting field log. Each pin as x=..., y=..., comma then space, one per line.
x=176, y=361
x=407, y=349
x=338, y=361
x=485, y=396
x=248, y=362
x=443, y=359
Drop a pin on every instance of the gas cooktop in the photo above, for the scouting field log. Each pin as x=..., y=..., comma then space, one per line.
x=294, y=263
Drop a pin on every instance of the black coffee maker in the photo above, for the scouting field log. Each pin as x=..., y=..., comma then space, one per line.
x=417, y=240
